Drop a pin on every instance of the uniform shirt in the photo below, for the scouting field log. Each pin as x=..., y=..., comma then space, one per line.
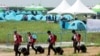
x=31, y=39
x=52, y=39
x=18, y=38
x=77, y=37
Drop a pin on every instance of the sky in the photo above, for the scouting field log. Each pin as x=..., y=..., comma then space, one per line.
x=45, y=3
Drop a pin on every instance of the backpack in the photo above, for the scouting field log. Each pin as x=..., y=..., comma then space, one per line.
x=79, y=37
x=55, y=37
x=20, y=38
x=34, y=36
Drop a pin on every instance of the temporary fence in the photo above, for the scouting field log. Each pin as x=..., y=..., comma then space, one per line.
x=62, y=36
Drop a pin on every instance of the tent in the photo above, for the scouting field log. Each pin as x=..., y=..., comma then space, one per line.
x=96, y=8
x=2, y=19
x=60, y=8
x=68, y=17
x=78, y=7
x=32, y=7
x=1, y=9
x=77, y=25
x=40, y=8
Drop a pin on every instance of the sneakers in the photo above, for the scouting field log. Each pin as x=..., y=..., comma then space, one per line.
x=36, y=52
x=55, y=53
x=48, y=55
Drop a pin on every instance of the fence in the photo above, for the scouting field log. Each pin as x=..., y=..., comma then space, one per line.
x=62, y=36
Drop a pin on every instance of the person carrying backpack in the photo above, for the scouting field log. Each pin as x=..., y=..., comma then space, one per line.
x=31, y=42
x=17, y=42
x=52, y=39
x=76, y=40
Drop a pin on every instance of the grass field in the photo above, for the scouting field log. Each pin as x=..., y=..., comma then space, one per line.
x=23, y=27
x=40, y=28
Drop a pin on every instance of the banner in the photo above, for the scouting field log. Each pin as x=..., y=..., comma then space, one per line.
x=93, y=25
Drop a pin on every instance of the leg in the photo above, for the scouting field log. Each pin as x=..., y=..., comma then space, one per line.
x=75, y=46
x=34, y=48
x=15, y=49
x=16, y=46
x=51, y=47
x=28, y=47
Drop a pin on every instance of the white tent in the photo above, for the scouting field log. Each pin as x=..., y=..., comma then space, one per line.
x=78, y=7
x=60, y=8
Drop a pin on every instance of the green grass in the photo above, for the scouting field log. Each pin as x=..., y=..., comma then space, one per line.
x=23, y=27
x=40, y=28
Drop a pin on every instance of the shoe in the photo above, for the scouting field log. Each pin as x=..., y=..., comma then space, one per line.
x=35, y=52
x=55, y=53
x=48, y=55
x=74, y=53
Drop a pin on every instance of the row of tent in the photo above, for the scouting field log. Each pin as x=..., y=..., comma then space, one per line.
x=77, y=8
x=19, y=15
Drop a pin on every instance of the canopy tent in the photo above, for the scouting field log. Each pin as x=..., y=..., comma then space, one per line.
x=78, y=7
x=60, y=8
x=40, y=8
x=1, y=9
x=32, y=7
x=96, y=8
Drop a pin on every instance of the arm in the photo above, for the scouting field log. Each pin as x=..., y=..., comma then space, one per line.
x=14, y=37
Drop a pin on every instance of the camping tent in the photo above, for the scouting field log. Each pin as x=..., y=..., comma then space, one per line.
x=78, y=7
x=96, y=8
x=60, y=8
x=77, y=25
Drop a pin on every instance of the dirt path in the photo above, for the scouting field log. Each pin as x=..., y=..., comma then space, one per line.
x=91, y=51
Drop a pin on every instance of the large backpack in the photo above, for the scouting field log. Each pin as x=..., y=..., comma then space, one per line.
x=20, y=38
x=55, y=37
x=79, y=37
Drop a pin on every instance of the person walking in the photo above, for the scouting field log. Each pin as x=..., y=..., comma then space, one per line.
x=31, y=42
x=51, y=40
x=76, y=40
x=17, y=42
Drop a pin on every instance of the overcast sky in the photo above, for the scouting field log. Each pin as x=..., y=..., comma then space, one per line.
x=45, y=3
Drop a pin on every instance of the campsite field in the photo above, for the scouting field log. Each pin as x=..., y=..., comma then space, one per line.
x=40, y=28
x=91, y=51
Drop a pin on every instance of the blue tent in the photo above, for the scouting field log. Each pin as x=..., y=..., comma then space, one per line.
x=38, y=17
x=68, y=17
x=18, y=17
x=63, y=24
x=30, y=17
x=9, y=17
x=43, y=18
x=2, y=15
x=77, y=25
x=2, y=19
